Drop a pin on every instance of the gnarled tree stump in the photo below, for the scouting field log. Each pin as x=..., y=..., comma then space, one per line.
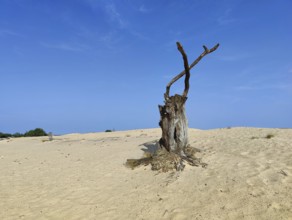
x=173, y=120
x=174, y=145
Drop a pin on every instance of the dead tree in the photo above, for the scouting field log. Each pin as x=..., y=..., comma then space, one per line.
x=173, y=120
x=174, y=146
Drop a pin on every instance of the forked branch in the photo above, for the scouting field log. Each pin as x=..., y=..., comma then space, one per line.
x=206, y=51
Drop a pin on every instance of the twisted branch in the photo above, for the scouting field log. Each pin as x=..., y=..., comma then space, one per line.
x=206, y=51
x=187, y=70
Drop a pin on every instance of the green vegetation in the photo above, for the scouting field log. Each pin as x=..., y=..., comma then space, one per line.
x=17, y=134
x=35, y=133
x=32, y=133
x=269, y=136
x=5, y=135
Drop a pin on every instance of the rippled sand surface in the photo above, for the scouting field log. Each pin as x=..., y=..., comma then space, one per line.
x=82, y=176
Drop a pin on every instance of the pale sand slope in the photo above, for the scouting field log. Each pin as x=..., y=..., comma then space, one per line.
x=82, y=176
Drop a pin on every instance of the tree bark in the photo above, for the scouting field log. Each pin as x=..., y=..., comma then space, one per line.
x=174, y=124
x=173, y=120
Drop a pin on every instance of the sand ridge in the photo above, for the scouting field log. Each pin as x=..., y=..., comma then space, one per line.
x=82, y=176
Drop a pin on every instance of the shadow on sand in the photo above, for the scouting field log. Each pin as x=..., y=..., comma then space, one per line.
x=150, y=147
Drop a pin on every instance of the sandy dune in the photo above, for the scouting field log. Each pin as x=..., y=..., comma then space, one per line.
x=82, y=176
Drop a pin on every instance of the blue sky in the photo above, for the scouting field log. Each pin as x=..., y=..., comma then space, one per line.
x=91, y=65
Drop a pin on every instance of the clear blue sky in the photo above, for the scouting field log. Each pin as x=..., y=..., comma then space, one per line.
x=90, y=65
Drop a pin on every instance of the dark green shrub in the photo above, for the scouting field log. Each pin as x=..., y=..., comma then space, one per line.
x=17, y=134
x=269, y=136
x=108, y=130
x=5, y=135
x=35, y=133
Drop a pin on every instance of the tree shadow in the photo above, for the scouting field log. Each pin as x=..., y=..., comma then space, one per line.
x=150, y=147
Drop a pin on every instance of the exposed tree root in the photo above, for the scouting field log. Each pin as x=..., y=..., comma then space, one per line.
x=165, y=161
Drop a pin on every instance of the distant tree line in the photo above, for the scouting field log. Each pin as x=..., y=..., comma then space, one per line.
x=32, y=133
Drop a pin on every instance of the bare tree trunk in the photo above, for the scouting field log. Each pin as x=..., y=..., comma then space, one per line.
x=173, y=120
x=174, y=124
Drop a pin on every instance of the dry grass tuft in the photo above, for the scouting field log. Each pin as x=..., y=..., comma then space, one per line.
x=133, y=163
x=269, y=136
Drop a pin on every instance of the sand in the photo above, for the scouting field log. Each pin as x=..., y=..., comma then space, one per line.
x=82, y=176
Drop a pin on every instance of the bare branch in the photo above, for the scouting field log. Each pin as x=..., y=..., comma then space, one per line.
x=187, y=70
x=206, y=51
